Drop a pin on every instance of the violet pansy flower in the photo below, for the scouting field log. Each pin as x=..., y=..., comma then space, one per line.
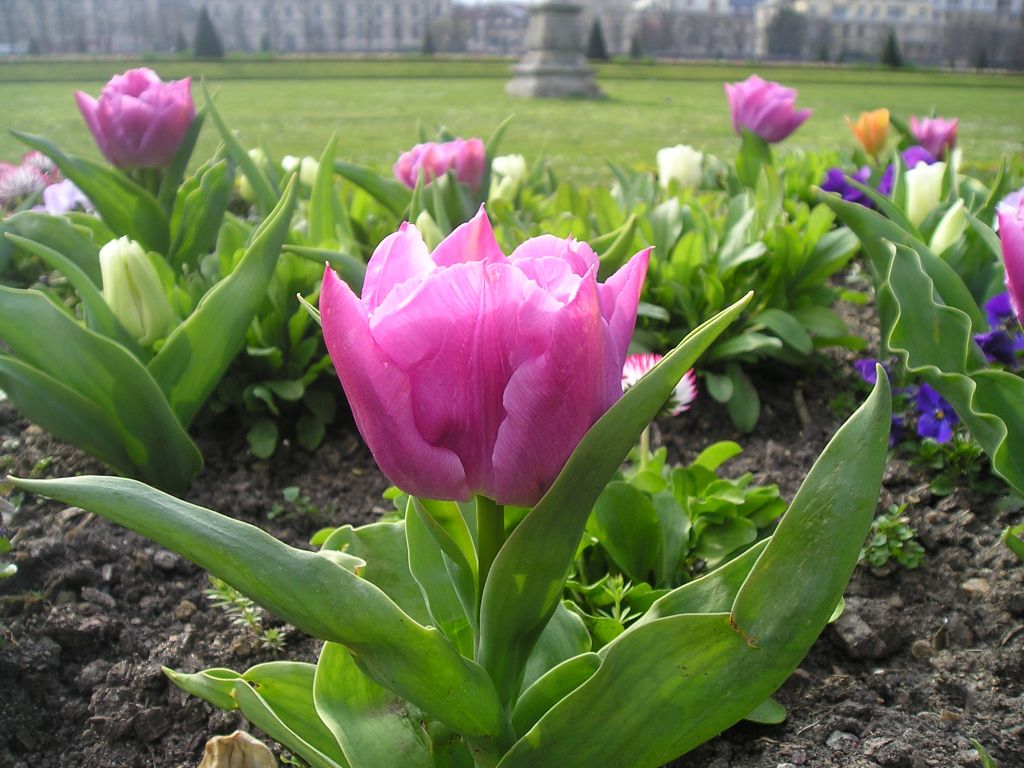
x=936, y=418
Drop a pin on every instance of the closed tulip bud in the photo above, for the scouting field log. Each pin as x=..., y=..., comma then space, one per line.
x=924, y=190
x=871, y=130
x=469, y=373
x=764, y=108
x=949, y=229
x=1011, y=237
x=242, y=183
x=935, y=134
x=466, y=158
x=508, y=173
x=139, y=121
x=682, y=164
x=132, y=289
x=307, y=166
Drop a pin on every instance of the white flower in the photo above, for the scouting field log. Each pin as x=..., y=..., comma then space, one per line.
x=683, y=395
x=924, y=190
x=308, y=168
x=132, y=289
x=18, y=182
x=508, y=173
x=682, y=164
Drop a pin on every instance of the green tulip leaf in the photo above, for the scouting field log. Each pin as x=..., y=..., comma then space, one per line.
x=58, y=233
x=629, y=528
x=715, y=668
x=555, y=685
x=391, y=194
x=197, y=353
x=312, y=592
x=526, y=579
x=349, y=268
x=125, y=206
x=198, y=214
x=373, y=726
x=45, y=338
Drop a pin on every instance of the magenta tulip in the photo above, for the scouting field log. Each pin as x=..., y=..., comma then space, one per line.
x=764, y=108
x=472, y=373
x=467, y=158
x=139, y=121
x=1011, y=236
x=935, y=134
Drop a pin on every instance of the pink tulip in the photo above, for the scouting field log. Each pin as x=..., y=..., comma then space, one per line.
x=764, y=108
x=1011, y=235
x=472, y=373
x=139, y=121
x=935, y=134
x=466, y=157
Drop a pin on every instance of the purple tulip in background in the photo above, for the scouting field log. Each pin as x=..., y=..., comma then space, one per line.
x=935, y=134
x=837, y=180
x=912, y=157
x=139, y=121
x=471, y=373
x=936, y=418
x=466, y=157
x=764, y=108
x=1011, y=236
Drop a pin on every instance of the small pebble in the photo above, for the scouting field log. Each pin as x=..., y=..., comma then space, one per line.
x=164, y=560
x=185, y=610
x=976, y=588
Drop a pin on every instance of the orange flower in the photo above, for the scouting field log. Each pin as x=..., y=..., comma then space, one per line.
x=871, y=130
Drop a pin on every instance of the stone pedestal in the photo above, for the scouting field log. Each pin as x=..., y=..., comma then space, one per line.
x=554, y=66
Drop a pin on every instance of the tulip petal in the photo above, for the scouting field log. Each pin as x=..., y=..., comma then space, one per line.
x=472, y=241
x=619, y=298
x=555, y=264
x=399, y=257
x=379, y=394
x=1011, y=236
x=89, y=107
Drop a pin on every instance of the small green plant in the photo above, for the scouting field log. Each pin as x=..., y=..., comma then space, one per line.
x=892, y=538
x=245, y=614
x=986, y=759
x=294, y=502
x=960, y=462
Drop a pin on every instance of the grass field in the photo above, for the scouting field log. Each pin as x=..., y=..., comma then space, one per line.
x=377, y=106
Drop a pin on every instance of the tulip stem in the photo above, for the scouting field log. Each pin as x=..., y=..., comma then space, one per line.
x=490, y=535
x=645, y=448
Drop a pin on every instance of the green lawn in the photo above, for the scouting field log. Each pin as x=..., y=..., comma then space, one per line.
x=376, y=107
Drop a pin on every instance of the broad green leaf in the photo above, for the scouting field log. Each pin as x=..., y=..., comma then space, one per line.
x=389, y=193
x=717, y=454
x=197, y=353
x=58, y=233
x=787, y=328
x=312, y=592
x=712, y=669
x=618, y=251
x=554, y=686
x=349, y=268
x=324, y=213
x=125, y=206
x=64, y=413
x=198, y=213
x=452, y=610
x=265, y=192
x=98, y=315
x=768, y=712
x=717, y=540
x=103, y=372
x=526, y=579
x=628, y=526
x=745, y=405
x=374, y=727
x=564, y=637
x=276, y=697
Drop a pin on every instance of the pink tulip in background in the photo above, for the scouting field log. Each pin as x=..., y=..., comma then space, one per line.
x=472, y=373
x=935, y=134
x=1011, y=236
x=139, y=121
x=466, y=157
x=764, y=108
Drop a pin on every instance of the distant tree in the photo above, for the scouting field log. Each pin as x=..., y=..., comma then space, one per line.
x=208, y=44
x=429, y=48
x=981, y=59
x=891, y=55
x=180, y=43
x=636, y=49
x=786, y=32
x=596, y=49
x=33, y=47
x=265, y=45
x=823, y=53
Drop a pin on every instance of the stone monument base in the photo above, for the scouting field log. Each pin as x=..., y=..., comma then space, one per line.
x=553, y=82
x=554, y=66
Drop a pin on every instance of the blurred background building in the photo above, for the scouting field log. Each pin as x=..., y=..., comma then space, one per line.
x=985, y=33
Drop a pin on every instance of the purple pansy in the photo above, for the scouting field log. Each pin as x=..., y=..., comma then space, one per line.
x=1004, y=340
x=838, y=180
x=912, y=157
x=936, y=418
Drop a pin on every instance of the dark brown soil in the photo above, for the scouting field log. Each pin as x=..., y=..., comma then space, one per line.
x=922, y=662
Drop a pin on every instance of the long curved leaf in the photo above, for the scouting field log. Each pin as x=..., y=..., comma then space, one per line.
x=199, y=351
x=58, y=233
x=315, y=594
x=389, y=193
x=527, y=576
x=125, y=206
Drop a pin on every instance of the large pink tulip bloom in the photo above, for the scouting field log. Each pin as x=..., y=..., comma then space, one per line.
x=472, y=373
x=466, y=157
x=764, y=108
x=139, y=121
x=935, y=134
x=1011, y=236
